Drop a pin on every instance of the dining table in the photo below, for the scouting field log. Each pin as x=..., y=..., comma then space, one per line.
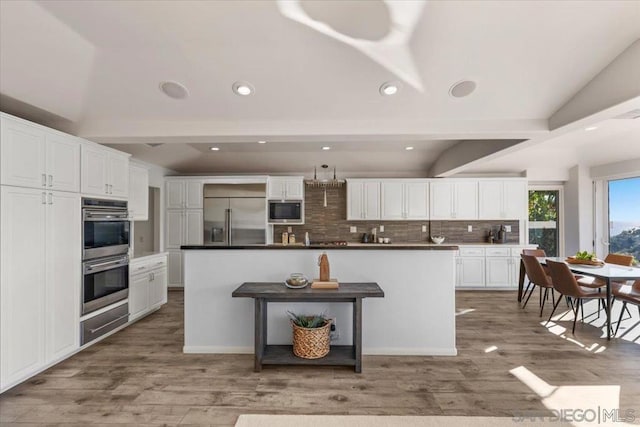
x=607, y=272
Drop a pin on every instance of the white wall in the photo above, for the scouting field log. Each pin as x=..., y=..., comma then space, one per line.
x=578, y=209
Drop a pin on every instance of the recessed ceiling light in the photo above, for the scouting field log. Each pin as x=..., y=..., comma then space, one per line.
x=590, y=128
x=408, y=148
x=262, y=142
x=214, y=148
x=326, y=148
x=174, y=90
x=242, y=88
x=389, y=88
x=462, y=88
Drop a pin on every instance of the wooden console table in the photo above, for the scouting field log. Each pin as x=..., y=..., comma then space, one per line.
x=265, y=292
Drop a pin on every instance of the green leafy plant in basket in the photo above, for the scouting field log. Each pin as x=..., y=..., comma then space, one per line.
x=308, y=321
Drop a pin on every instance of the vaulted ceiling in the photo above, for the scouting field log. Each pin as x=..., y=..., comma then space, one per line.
x=94, y=67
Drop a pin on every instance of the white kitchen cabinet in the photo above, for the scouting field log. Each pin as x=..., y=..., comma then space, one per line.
x=36, y=157
x=184, y=227
x=363, y=199
x=40, y=280
x=138, y=193
x=184, y=194
x=404, y=200
x=63, y=248
x=453, y=199
x=285, y=188
x=174, y=268
x=470, y=272
x=104, y=172
x=147, y=285
x=502, y=199
x=498, y=271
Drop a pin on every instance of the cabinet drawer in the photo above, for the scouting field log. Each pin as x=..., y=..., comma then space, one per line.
x=467, y=251
x=498, y=252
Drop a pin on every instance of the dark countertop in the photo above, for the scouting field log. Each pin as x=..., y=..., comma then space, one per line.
x=350, y=246
x=279, y=291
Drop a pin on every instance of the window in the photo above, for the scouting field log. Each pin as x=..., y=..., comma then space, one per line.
x=624, y=216
x=544, y=219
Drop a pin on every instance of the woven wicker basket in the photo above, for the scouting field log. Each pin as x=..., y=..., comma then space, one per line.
x=311, y=343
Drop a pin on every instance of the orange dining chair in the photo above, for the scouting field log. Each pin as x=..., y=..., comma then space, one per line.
x=627, y=294
x=537, y=277
x=597, y=283
x=567, y=285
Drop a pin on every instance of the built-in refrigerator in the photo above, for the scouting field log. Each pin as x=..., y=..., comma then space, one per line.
x=235, y=214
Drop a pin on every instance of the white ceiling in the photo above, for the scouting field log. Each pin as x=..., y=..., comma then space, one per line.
x=97, y=64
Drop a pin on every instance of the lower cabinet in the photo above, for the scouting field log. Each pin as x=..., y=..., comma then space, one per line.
x=40, y=280
x=147, y=285
x=488, y=267
x=175, y=268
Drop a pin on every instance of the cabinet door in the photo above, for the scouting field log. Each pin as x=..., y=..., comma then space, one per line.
x=441, y=200
x=193, y=227
x=277, y=188
x=174, y=268
x=158, y=288
x=490, y=199
x=94, y=170
x=417, y=200
x=515, y=200
x=392, y=195
x=22, y=284
x=63, y=274
x=175, y=194
x=294, y=189
x=371, y=200
x=194, y=195
x=139, y=295
x=22, y=155
x=466, y=200
x=175, y=229
x=118, y=175
x=471, y=272
x=138, y=193
x=498, y=271
x=63, y=163
x=355, y=200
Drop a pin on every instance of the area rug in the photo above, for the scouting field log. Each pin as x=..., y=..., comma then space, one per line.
x=254, y=420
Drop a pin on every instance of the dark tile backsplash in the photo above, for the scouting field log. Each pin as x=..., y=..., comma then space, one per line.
x=330, y=224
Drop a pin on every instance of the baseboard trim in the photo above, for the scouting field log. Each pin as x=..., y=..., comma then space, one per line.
x=205, y=349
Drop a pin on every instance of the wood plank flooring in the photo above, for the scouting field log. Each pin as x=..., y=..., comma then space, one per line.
x=140, y=377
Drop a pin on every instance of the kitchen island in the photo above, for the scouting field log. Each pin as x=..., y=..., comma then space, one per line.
x=416, y=316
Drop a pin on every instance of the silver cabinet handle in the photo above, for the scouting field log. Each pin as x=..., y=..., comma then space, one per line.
x=44, y=198
x=93, y=331
x=106, y=188
x=141, y=268
x=50, y=198
x=44, y=180
x=50, y=180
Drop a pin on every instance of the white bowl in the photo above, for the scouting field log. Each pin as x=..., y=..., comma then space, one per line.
x=437, y=239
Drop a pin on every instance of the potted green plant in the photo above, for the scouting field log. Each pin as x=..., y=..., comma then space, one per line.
x=310, y=335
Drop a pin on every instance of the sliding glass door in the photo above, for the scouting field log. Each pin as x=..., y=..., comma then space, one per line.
x=544, y=219
x=624, y=216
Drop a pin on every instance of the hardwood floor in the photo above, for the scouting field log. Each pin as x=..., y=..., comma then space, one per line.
x=140, y=377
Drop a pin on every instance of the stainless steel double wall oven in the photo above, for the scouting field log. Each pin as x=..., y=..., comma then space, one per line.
x=105, y=265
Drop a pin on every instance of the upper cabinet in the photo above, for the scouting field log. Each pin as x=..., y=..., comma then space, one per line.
x=285, y=187
x=105, y=172
x=404, y=199
x=184, y=194
x=138, y=193
x=453, y=199
x=363, y=199
x=503, y=199
x=36, y=157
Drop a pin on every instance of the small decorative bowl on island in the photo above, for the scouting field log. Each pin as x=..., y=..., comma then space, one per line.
x=296, y=281
x=437, y=239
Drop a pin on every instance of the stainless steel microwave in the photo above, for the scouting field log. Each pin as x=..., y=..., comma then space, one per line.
x=286, y=212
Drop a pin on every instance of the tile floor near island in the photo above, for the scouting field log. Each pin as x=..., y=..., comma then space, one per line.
x=141, y=377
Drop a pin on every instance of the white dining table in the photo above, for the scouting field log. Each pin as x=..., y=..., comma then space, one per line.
x=608, y=272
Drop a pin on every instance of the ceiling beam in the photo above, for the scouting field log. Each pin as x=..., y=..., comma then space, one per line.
x=466, y=152
x=616, y=83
